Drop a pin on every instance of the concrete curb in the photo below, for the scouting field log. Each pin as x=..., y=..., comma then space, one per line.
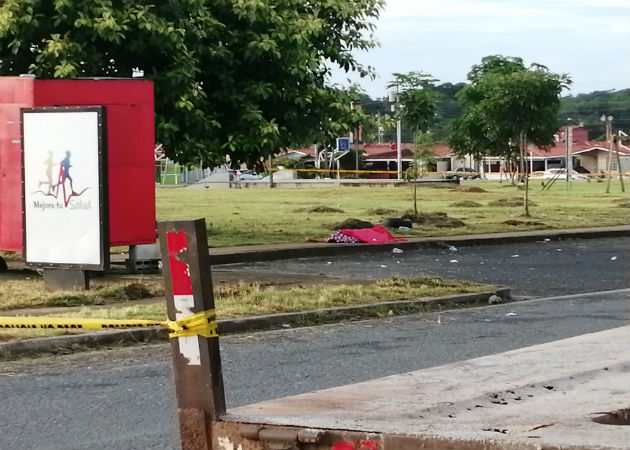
x=231, y=255
x=67, y=344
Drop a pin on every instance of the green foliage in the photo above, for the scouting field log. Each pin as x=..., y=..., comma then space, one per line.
x=418, y=99
x=504, y=102
x=588, y=108
x=232, y=77
x=507, y=106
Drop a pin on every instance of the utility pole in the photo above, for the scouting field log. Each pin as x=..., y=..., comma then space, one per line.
x=569, y=164
x=356, y=144
x=569, y=137
x=608, y=121
x=616, y=141
x=395, y=96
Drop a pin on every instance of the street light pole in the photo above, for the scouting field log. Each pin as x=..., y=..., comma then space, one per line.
x=569, y=137
x=396, y=108
x=398, y=150
x=608, y=121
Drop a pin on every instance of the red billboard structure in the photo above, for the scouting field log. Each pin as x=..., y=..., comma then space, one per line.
x=130, y=144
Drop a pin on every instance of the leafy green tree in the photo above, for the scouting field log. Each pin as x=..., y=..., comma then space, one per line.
x=418, y=100
x=232, y=77
x=506, y=107
x=423, y=161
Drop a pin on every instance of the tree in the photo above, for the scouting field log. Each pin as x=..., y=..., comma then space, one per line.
x=418, y=100
x=506, y=107
x=423, y=159
x=232, y=77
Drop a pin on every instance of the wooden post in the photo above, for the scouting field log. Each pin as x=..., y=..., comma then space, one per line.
x=196, y=359
x=623, y=188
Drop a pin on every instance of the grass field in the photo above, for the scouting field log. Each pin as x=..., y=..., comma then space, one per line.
x=265, y=216
x=232, y=300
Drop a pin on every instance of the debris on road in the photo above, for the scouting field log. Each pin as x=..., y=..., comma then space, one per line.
x=454, y=261
x=495, y=300
x=452, y=248
x=614, y=258
x=511, y=314
x=397, y=250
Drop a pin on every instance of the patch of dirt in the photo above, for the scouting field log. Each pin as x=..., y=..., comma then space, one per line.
x=382, y=212
x=470, y=189
x=510, y=202
x=521, y=222
x=136, y=291
x=320, y=209
x=434, y=219
x=466, y=204
x=352, y=224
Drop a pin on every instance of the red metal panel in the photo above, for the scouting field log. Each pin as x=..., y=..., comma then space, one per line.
x=131, y=175
x=15, y=93
x=84, y=92
x=131, y=140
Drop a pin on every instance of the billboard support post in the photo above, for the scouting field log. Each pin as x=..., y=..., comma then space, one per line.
x=66, y=279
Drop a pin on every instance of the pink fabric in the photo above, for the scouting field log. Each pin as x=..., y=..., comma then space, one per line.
x=375, y=235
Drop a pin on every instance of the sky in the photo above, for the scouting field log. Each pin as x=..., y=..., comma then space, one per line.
x=587, y=39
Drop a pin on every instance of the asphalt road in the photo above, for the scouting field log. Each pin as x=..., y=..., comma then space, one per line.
x=532, y=269
x=123, y=399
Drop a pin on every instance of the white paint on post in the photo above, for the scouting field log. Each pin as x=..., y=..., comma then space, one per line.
x=188, y=345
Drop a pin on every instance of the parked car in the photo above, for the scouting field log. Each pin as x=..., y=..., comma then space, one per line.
x=562, y=174
x=245, y=175
x=461, y=172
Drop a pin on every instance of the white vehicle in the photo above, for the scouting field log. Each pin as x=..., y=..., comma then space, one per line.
x=245, y=175
x=560, y=174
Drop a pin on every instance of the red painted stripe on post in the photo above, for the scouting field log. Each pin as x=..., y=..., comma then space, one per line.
x=176, y=243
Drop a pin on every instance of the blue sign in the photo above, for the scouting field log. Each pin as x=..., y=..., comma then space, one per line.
x=343, y=144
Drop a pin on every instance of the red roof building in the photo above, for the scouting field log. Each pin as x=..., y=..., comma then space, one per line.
x=588, y=156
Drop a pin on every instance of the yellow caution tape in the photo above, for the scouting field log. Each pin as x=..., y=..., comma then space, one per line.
x=199, y=324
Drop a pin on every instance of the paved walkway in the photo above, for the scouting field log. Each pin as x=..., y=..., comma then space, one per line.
x=505, y=400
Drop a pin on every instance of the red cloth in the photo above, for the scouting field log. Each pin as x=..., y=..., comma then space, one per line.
x=375, y=235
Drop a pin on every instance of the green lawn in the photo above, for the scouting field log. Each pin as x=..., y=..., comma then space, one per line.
x=264, y=216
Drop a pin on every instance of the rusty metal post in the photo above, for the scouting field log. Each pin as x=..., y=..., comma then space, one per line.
x=196, y=359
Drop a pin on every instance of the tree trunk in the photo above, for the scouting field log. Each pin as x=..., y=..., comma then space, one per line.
x=523, y=144
x=623, y=188
x=415, y=173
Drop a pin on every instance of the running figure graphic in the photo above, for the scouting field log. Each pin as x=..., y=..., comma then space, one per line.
x=64, y=172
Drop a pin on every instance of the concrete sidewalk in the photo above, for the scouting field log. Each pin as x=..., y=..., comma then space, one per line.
x=544, y=396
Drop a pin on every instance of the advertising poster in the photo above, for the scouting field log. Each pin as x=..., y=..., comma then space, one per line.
x=63, y=163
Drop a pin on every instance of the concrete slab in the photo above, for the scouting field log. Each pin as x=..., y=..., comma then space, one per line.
x=544, y=396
